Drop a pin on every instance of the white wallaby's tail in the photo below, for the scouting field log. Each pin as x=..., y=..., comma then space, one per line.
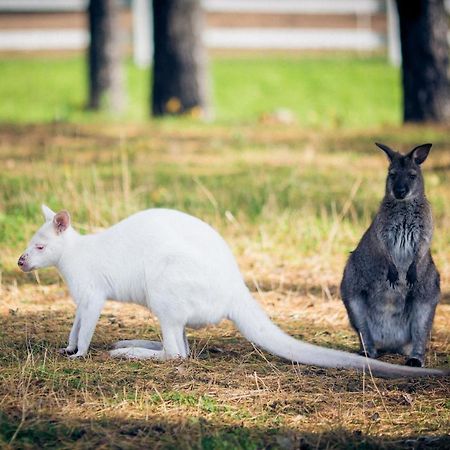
x=255, y=325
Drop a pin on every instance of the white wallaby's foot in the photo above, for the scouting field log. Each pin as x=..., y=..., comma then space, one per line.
x=151, y=345
x=174, y=346
x=137, y=353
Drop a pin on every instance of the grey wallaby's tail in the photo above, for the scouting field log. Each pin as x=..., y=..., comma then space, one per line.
x=255, y=325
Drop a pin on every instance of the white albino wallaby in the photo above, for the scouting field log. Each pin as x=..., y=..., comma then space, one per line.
x=184, y=272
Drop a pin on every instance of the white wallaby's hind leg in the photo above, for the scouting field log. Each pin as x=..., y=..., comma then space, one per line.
x=174, y=345
x=137, y=353
x=141, y=343
x=174, y=341
x=186, y=343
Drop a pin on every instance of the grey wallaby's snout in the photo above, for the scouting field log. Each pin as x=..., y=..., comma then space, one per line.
x=405, y=179
x=400, y=190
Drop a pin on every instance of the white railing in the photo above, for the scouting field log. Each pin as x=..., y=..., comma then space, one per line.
x=42, y=5
x=295, y=6
x=292, y=39
x=43, y=39
x=255, y=6
x=361, y=37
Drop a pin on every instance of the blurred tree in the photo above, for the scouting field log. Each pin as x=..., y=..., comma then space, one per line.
x=104, y=55
x=425, y=54
x=179, y=61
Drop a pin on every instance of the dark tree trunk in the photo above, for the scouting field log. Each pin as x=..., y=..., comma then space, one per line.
x=105, y=71
x=179, y=62
x=425, y=53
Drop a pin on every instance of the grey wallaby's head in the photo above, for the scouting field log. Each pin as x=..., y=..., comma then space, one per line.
x=405, y=181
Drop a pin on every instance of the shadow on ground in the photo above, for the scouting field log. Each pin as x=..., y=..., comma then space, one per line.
x=156, y=432
x=48, y=401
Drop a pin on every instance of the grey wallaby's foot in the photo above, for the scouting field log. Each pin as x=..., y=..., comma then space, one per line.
x=415, y=361
x=390, y=285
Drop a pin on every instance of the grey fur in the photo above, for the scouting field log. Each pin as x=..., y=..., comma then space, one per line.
x=390, y=285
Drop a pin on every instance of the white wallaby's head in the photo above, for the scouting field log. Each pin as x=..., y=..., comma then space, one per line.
x=46, y=246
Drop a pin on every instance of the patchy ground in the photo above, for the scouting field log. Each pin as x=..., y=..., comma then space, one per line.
x=292, y=204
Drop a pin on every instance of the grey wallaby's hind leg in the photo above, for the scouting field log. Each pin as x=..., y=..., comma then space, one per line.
x=422, y=314
x=357, y=312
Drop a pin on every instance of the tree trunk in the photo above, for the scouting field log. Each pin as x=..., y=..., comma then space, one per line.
x=105, y=71
x=179, y=61
x=425, y=53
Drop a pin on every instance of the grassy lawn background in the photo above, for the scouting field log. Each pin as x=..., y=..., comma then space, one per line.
x=320, y=91
x=292, y=201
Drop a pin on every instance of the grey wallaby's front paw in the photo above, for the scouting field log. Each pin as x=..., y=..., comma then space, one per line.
x=411, y=275
x=392, y=275
x=415, y=361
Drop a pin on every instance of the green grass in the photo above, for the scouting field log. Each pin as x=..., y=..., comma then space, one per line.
x=328, y=91
x=324, y=91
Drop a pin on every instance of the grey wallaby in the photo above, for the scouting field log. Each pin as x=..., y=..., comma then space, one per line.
x=390, y=285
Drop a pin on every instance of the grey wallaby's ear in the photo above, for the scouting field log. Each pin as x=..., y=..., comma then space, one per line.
x=420, y=153
x=61, y=221
x=389, y=152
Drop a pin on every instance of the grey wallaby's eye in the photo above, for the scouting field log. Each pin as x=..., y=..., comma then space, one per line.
x=392, y=174
x=412, y=176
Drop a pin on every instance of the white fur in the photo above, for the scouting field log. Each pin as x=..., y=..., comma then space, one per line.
x=184, y=272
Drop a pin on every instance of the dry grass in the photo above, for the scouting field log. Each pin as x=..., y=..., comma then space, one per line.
x=228, y=394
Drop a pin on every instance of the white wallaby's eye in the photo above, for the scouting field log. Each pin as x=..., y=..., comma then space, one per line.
x=40, y=247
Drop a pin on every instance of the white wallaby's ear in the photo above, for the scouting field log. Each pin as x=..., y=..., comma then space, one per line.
x=61, y=221
x=48, y=213
x=419, y=154
x=389, y=152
